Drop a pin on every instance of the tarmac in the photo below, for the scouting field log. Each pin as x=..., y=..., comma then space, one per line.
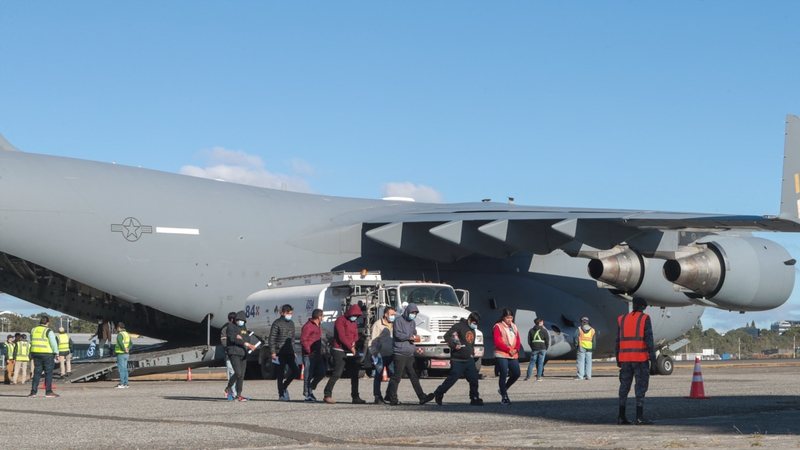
x=751, y=404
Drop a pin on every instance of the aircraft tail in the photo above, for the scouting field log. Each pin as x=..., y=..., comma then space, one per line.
x=6, y=146
x=790, y=189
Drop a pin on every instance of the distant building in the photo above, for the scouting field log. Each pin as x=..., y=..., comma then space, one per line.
x=784, y=325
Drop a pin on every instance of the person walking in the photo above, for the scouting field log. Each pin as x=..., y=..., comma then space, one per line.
x=223, y=340
x=313, y=356
x=585, y=342
x=65, y=348
x=122, y=350
x=539, y=342
x=237, y=346
x=635, y=352
x=8, y=351
x=507, y=344
x=461, y=340
x=43, y=352
x=380, y=348
x=22, y=357
x=103, y=334
x=281, y=344
x=405, y=337
x=345, y=337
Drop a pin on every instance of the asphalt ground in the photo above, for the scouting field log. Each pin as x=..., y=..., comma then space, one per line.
x=752, y=404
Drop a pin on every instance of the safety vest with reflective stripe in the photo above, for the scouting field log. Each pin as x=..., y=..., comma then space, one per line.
x=632, y=346
x=23, y=351
x=40, y=342
x=585, y=338
x=537, y=337
x=9, y=350
x=63, y=342
x=124, y=343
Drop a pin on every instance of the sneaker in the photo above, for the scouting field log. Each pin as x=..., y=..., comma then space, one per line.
x=308, y=399
x=125, y=386
x=538, y=379
x=311, y=396
x=229, y=395
x=284, y=397
x=51, y=395
x=242, y=399
x=358, y=401
x=578, y=378
x=120, y=386
x=438, y=397
x=32, y=395
x=642, y=421
x=427, y=398
x=505, y=401
x=526, y=378
x=476, y=402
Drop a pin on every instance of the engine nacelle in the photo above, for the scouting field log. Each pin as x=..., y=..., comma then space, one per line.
x=735, y=273
x=631, y=273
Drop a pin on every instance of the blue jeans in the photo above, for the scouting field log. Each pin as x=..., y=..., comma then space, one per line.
x=537, y=360
x=584, y=362
x=42, y=361
x=122, y=367
x=376, y=378
x=508, y=368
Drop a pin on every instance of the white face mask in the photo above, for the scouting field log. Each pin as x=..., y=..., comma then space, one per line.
x=353, y=318
x=288, y=317
x=240, y=323
x=586, y=327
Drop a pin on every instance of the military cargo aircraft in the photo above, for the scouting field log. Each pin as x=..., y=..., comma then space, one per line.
x=167, y=253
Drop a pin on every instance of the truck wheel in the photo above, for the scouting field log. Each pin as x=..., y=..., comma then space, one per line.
x=664, y=365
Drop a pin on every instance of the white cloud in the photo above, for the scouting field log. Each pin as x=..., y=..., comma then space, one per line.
x=236, y=166
x=418, y=192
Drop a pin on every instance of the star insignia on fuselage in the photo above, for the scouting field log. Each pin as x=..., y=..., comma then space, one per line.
x=131, y=229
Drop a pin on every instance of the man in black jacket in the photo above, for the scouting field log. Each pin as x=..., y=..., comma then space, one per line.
x=237, y=346
x=539, y=341
x=461, y=340
x=281, y=344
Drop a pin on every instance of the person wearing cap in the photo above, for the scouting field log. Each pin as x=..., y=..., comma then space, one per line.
x=122, y=350
x=635, y=353
x=461, y=340
x=22, y=357
x=539, y=341
x=44, y=348
x=223, y=340
x=65, y=348
x=585, y=342
x=237, y=346
x=8, y=350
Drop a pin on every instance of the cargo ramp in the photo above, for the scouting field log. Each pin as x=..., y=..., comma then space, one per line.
x=166, y=360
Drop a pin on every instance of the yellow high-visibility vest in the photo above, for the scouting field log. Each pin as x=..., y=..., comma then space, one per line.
x=40, y=343
x=9, y=350
x=585, y=338
x=63, y=342
x=125, y=344
x=23, y=351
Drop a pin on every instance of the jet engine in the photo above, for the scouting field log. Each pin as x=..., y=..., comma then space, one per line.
x=735, y=273
x=629, y=272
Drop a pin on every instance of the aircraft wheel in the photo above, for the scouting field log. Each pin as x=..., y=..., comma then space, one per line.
x=664, y=365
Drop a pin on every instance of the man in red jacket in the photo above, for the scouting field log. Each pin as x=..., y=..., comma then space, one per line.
x=313, y=361
x=345, y=337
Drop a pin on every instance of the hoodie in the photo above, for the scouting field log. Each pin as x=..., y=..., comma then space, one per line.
x=236, y=337
x=345, y=331
x=404, y=331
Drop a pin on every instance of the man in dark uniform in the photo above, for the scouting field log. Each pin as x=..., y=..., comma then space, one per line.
x=635, y=355
x=461, y=340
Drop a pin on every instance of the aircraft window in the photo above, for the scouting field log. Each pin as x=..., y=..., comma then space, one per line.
x=429, y=295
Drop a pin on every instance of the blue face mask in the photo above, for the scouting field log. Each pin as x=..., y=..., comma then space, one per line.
x=474, y=326
x=353, y=318
x=288, y=317
x=240, y=323
x=412, y=316
x=392, y=318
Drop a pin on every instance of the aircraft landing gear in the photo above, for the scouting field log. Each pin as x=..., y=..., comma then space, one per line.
x=664, y=365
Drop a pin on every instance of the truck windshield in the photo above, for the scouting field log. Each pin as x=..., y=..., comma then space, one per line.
x=428, y=295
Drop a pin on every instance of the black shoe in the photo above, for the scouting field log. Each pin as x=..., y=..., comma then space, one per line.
x=642, y=421
x=394, y=402
x=476, y=402
x=427, y=398
x=623, y=421
x=380, y=400
x=438, y=397
x=358, y=401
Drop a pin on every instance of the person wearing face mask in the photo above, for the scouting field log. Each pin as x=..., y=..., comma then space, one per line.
x=585, y=341
x=237, y=346
x=461, y=340
x=345, y=337
x=507, y=344
x=380, y=347
x=313, y=359
x=281, y=342
x=404, y=336
x=223, y=340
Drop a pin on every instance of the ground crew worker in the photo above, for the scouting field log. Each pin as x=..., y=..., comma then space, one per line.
x=281, y=344
x=461, y=340
x=345, y=357
x=313, y=355
x=404, y=334
x=122, y=350
x=539, y=341
x=65, y=348
x=585, y=341
x=238, y=344
x=43, y=352
x=223, y=340
x=635, y=353
x=381, y=350
x=8, y=351
x=22, y=357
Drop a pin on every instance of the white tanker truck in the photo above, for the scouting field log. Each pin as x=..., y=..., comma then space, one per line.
x=440, y=306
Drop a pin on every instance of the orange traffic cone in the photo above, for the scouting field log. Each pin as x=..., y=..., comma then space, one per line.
x=302, y=371
x=697, y=391
x=189, y=374
x=385, y=376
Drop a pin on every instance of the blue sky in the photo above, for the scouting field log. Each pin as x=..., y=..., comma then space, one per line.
x=675, y=107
